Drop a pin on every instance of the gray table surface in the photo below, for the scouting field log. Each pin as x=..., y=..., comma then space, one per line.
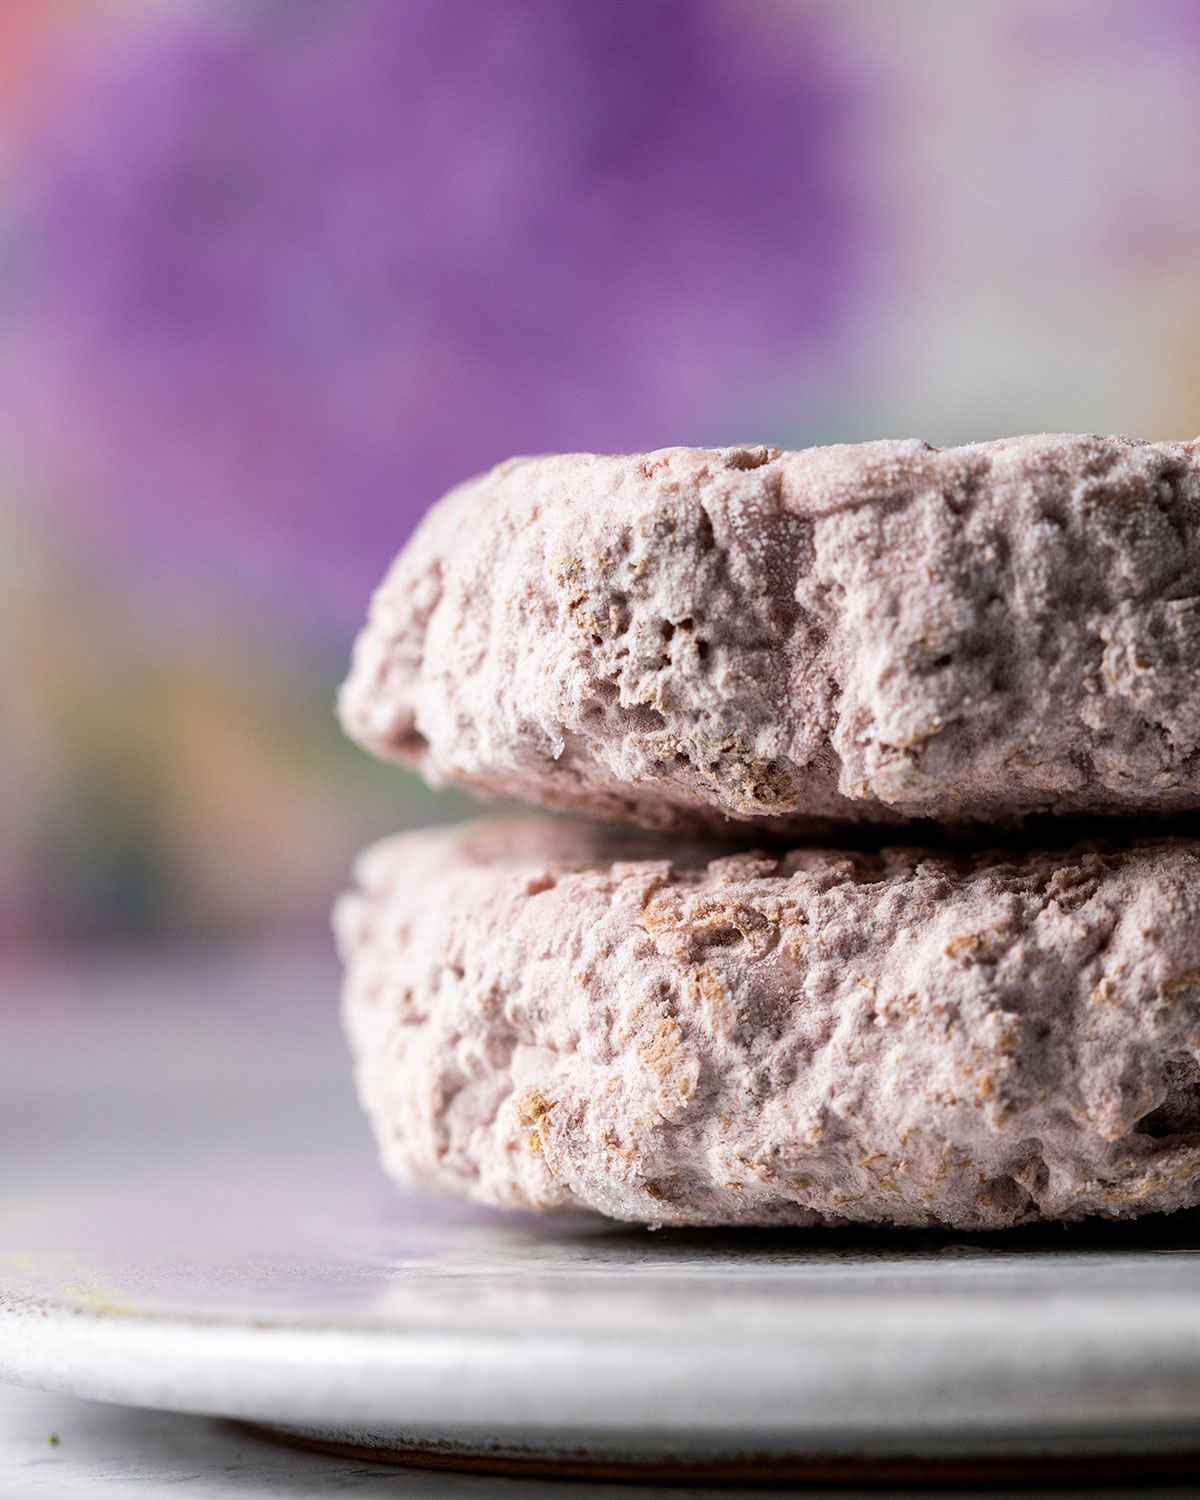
x=77, y=1038
x=113, y=1453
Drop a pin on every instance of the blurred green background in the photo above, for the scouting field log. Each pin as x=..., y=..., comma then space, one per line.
x=276, y=273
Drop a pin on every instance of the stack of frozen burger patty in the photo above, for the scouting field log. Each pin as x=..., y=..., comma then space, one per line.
x=907, y=925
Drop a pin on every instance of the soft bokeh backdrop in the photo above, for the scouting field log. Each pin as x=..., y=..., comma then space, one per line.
x=274, y=273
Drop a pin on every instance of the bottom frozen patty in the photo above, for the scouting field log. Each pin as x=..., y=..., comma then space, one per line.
x=550, y=1015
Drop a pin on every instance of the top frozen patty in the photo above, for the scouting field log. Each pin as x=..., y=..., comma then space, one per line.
x=844, y=635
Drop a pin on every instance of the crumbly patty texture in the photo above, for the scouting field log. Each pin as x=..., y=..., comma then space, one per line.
x=872, y=633
x=550, y=1016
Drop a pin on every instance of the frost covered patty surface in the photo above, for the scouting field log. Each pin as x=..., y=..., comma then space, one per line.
x=551, y=1016
x=871, y=633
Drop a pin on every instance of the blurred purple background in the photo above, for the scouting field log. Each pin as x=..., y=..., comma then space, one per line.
x=276, y=273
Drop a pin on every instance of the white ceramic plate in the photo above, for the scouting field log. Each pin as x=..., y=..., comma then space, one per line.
x=190, y=1219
